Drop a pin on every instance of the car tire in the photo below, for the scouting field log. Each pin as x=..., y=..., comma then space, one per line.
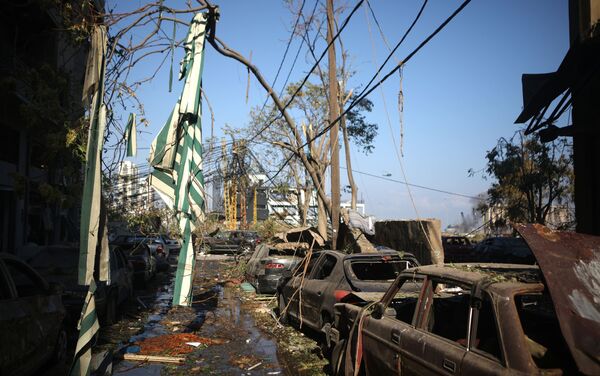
x=59, y=354
x=110, y=313
x=140, y=282
x=283, y=316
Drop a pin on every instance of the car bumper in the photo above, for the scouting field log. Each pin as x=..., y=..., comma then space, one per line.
x=267, y=284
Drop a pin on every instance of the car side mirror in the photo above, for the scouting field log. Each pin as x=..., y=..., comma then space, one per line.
x=55, y=288
x=378, y=310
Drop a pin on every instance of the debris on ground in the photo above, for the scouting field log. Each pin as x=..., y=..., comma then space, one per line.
x=294, y=348
x=244, y=361
x=174, y=344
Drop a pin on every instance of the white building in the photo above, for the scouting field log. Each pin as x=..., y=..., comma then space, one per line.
x=132, y=190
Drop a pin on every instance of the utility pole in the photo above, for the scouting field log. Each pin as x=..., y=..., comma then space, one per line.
x=584, y=16
x=334, y=113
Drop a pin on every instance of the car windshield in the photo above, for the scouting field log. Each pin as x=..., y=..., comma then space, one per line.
x=377, y=270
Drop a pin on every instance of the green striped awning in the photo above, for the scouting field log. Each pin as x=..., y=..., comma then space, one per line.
x=93, y=232
x=131, y=136
x=176, y=155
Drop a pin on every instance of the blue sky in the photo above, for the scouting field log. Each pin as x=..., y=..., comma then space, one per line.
x=462, y=91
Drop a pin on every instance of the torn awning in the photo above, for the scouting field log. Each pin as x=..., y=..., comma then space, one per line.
x=176, y=156
x=579, y=65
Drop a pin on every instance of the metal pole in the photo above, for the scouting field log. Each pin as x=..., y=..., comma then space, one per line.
x=334, y=112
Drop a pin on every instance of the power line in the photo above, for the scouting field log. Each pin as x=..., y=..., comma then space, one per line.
x=344, y=24
x=300, y=47
x=364, y=94
x=416, y=185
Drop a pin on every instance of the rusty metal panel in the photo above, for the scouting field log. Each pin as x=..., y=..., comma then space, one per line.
x=570, y=263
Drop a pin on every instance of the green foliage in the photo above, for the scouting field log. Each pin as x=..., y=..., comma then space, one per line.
x=360, y=131
x=530, y=177
x=268, y=228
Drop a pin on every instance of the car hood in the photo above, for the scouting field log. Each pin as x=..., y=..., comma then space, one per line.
x=570, y=263
x=357, y=296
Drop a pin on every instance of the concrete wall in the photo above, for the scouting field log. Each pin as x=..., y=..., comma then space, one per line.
x=409, y=236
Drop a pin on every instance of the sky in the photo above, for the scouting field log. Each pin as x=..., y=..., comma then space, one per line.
x=462, y=90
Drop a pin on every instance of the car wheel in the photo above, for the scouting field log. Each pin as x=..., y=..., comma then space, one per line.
x=60, y=349
x=110, y=314
x=283, y=316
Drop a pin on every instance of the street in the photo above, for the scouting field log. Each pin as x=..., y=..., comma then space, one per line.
x=323, y=187
x=245, y=337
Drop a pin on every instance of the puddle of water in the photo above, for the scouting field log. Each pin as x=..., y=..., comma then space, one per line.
x=134, y=369
x=152, y=328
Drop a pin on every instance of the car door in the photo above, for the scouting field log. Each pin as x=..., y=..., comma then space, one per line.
x=437, y=344
x=314, y=288
x=291, y=290
x=485, y=352
x=254, y=262
x=384, y=335
x=34, y=318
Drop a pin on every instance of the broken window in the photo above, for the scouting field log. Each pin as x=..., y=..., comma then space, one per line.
x=325, y=267
x=405, y=300
x=543, y=336
x=312, y=261
x=444, y=311
x=284, y=252
x=486, y=335
x=377, y=270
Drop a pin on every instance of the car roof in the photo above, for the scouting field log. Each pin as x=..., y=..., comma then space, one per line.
x=472, y=273
x=352, y=256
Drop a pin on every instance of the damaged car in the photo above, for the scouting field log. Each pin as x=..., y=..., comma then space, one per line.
x=457, y=249
x=60, y=265
x=31, y=319
x=328, y=277
x=230, y=242
x=268, y=264
x=481, y=319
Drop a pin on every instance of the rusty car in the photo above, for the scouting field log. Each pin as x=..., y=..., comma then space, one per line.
x=457, y=248
x=482, y=319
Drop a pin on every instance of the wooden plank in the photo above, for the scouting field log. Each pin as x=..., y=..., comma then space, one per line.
x=153, y=358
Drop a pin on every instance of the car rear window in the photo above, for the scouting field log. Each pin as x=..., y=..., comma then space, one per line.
x=284, y=252
x=377, y=270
